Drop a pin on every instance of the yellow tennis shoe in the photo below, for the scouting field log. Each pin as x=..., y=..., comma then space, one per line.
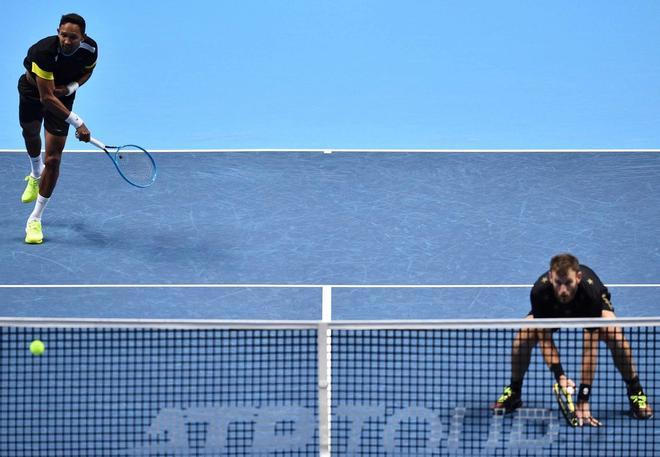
x=31, y=190
x=639, y=405
x=509, y=401
x=33, y=233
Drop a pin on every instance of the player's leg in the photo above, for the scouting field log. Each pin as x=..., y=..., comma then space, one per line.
x=623, y=360
x=54, y=147
x=521, y=356
x=30, y=113
x=56, y=133
x=31, y=132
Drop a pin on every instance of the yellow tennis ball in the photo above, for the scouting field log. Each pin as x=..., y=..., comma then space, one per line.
x=37, y=347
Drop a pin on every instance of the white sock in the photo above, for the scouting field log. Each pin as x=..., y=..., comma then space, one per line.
x=39, y=207
x=37, y=166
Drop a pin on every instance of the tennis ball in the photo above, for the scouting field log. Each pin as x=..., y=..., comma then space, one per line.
x=37, y=347
x=570, y=390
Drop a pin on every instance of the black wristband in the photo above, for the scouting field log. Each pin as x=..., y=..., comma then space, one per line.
x=583, y=393
x=557, y=370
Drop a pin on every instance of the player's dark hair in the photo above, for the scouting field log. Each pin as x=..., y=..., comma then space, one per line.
x=562, y=263
x=73, y=18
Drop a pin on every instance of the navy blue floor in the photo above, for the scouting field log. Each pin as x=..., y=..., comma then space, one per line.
x=316, y=219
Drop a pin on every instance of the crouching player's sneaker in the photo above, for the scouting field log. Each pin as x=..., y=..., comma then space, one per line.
x=33, y=233
x=639, y=405
x=509, y=401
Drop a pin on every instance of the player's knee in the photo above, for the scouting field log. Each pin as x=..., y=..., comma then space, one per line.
x=528, y=334
x=611, y=333
x=612, y=336
x=525, y=338
x=30, y=132
x=53, y=162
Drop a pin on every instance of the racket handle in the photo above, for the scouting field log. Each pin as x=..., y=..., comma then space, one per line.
x=97, y=143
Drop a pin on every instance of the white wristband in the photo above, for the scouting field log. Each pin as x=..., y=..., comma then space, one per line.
x=74, y=120
x=72, y=87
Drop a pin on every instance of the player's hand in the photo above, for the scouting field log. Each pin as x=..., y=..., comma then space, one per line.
x=584, y=415
x=83, y=133
x=567, y=383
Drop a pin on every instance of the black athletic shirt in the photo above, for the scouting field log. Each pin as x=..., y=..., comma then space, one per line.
x=591, y=298
x=45, y=59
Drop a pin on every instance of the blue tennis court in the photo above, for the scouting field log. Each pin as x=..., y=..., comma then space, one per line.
x=348, y=195
x=486, y=221
x=305, y=236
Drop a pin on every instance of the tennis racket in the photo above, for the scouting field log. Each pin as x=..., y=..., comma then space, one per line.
x=566, y=405
x=133, y=163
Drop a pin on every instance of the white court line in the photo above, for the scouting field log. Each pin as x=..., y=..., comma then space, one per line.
x=289, y=286
x=331, y=150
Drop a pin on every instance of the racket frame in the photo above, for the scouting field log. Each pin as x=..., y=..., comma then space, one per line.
x=566, y=405
x=105, y=148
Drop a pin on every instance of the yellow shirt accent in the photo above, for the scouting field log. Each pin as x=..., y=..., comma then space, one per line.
x=42, y=73
x=90, y=66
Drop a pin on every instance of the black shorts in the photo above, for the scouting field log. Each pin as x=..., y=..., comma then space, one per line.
x=30, y=108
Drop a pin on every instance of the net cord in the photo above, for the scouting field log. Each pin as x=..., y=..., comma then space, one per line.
x=45, y=322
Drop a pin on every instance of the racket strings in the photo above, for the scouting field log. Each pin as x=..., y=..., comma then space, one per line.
x=135, y=165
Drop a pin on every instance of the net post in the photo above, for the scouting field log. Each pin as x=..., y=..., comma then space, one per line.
x=324, y=389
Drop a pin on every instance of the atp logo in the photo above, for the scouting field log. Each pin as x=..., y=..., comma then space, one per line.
x=292, y=430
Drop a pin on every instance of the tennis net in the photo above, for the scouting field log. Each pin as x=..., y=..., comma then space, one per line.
x=177, y=388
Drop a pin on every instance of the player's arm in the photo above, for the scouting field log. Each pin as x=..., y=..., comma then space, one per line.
x=548, y=349
x=50, y=101
x=86, y=75
x=63, y=91
x=551, y=358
